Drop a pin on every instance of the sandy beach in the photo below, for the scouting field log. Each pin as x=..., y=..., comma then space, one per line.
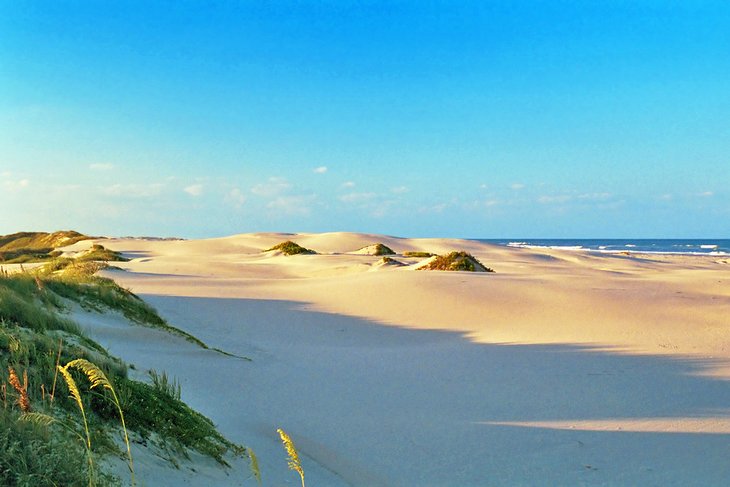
x=561, y=368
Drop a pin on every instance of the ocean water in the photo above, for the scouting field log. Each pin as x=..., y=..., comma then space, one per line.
x=707, y=246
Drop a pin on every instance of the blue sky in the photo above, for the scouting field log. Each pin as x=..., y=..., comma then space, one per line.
x=464, y=119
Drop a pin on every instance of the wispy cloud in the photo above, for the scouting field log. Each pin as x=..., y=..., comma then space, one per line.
x=594, y=196
x=348, y=184
x=706, y=194
x=357, y=197
x=550, y=200
x=271, y=188
x=236, y=198
x=194, y=189
x=101, y=166
x=517, y=186
x=320, y=169
x=399, y=190
x=292, y=205
x=13, y=186
x=133, y=190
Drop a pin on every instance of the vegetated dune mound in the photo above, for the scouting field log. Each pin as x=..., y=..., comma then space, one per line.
x=375, y=249
x=455, y=261
x=290, y=248
x=24, y=247
x=387, y=262
x=98, y=252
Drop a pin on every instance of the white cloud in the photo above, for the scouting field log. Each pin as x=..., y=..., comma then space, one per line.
x=348, y=184
x=320, y=169
x=101, y=166
x=292, y=205
x=14, y=185
x=236, y=197
x=547, y=200
x=400, y=190
x=594, y=196
x=706, y=194
x=666, y=197
x=517, y=186
x=357, y=197
x=133, y=190
x=194, y=189
x=271, y=188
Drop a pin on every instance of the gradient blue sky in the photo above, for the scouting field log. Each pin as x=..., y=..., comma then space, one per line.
x=465, y=119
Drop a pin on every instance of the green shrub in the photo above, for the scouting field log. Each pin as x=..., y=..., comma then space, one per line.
x=456, y=261
x=290, y=248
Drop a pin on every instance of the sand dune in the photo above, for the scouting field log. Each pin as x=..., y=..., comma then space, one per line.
x=561, y=368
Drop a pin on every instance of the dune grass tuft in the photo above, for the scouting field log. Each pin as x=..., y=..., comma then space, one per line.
x=456, y=261
x=290, y=248
x=291, y=450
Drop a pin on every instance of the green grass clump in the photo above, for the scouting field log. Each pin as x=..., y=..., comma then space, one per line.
x=291, y=248
x=457, y=261
x=33, y=455
x=48, y=437
x=413, y=253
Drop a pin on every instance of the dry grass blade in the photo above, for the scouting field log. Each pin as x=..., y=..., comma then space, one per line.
x=38, y=418
x=254, y=465
x=22, y=390
x=294, y=462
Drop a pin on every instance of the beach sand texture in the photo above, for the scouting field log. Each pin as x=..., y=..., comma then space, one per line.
x=562, y=368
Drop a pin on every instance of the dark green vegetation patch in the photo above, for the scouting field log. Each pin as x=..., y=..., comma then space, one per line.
x=456, y=261
x=290, y=248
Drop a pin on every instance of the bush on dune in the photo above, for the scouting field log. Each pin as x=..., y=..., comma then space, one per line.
x=456, y=261
x=290, y=248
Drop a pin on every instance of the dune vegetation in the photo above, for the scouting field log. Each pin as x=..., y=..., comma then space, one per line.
x=53, y=427
x=377, y=249
x=25, y=247
x=290, y=248
x=456, y=261
x=414, y=253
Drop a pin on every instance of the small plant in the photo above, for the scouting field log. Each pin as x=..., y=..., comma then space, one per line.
x=290, y=248
x=76, y=395
x=163, y=384
x=294, y=462
x=413, y=253
x=456, y=261
x=21, y=389
x=377, y=249
x=97, y=378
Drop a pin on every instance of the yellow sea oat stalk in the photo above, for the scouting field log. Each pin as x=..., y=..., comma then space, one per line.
x=74, y=390
x=97, y=378
x=294, y=463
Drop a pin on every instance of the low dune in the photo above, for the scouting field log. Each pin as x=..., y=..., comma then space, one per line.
x=561, y=368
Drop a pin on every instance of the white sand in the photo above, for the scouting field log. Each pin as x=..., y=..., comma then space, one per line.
x=563, y=368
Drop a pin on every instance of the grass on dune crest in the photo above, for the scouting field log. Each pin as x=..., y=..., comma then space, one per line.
x=24, y=247
x=54, y=419
x=456, y=261
x=290, y=248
